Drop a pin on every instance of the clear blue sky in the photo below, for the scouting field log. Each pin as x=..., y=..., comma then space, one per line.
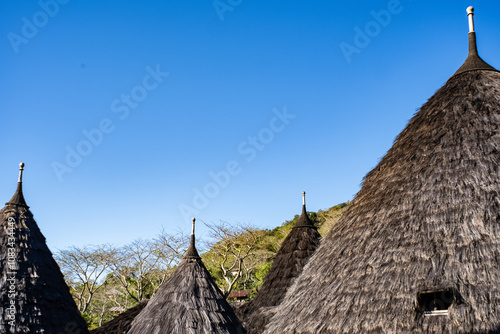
x=221, y=73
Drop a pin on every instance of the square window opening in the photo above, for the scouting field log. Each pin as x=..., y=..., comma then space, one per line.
x=435, y=302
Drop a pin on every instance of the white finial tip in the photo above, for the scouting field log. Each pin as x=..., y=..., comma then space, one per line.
x=470, y=15
x=192, y=227
x=21, y=168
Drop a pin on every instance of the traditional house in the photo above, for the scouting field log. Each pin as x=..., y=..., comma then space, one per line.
x=418, y=250
x=291, y=258
x=189, y=302
x=34, y=297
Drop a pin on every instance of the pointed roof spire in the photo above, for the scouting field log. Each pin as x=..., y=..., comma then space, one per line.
x=18, y=198
x=473, y=61
x=304, y=220
x=192, y=252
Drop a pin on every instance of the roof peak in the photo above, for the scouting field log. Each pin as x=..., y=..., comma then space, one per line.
x=192, y=253
x=473, y=61
x=18, y=198
x=304, y=220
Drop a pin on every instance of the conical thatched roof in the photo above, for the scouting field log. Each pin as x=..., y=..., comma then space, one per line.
x=189, y=302
x=291, y=258
x=418, y=250
x=34, y=297
x=121, y=324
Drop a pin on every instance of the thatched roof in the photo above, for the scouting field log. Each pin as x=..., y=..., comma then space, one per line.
x=418, y=250
x=189, y=302
x=291, y=258
x=33, y=293
x=121, y=324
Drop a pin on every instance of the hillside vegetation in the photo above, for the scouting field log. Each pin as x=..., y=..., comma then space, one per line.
x=106, y=280
x=240, y=260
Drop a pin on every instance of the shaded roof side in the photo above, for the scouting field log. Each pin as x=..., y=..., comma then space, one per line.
x=43, y=302
x=122, y=323
x=426, y=218
x=295, y=251
x=474, y=61
x=188, y=302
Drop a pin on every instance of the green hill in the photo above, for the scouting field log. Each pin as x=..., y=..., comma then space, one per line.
x=234, y=273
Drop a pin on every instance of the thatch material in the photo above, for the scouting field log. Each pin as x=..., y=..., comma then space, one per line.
x=43, y=303
x=426, y=219
x=291, y=258
x=122, y=323
x=189, y=302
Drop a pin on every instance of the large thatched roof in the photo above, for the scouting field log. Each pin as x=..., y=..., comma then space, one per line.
x=121, y=324
x=418, y=250
x=33, y=293
x=291, y=258
x=189, y=302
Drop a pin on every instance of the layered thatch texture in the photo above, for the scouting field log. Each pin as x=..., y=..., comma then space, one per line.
x=426, y=219
x=34, y=297
x=189, y=302
x=122, y=323
x=291, y=258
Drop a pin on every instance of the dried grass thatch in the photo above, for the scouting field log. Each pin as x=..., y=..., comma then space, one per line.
x=291, y=258
x=427, y=219
x=122, y=323
x=43, y=303
x=189, y=302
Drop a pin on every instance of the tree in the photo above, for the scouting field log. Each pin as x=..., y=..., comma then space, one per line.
x=233, y=252
x=169, y=249
x=86, y=270
x=106, y=280
x=144, y=265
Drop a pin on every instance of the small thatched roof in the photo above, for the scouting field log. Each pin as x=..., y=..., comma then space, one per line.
x=418, y=250
x=122, y=323
x=189, y=302
x=291, y=258
x=33, y=293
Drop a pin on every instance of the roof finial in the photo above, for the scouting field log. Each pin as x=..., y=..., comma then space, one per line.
x=21, y=169
x=473, y=61
x=304, y=220
x=470, y=14
x=18, y=198
x=192, y=252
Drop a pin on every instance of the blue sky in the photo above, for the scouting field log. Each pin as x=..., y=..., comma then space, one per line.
x=131, y=116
